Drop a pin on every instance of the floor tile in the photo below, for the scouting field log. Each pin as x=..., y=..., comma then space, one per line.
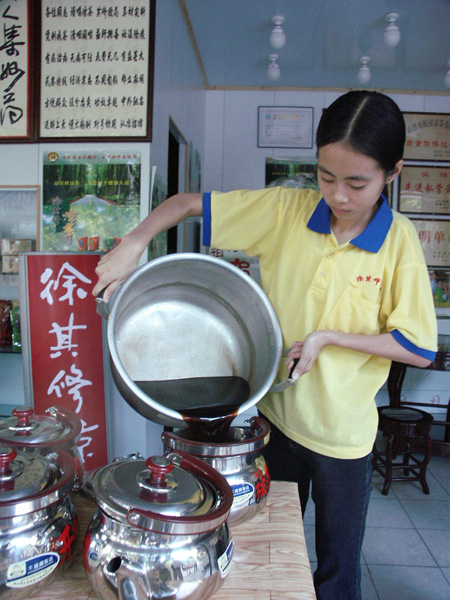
x=387, y=512
x=387, y=546
x=439, y=467
x=409, y=583
x=437, y=542
x=412, y=490
x=310, y=538
x=368, y=590
x=428, y=514
x=447, y=574
x=309, y=517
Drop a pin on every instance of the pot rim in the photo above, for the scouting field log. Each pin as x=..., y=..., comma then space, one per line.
x=173, y=415
x=260, y=440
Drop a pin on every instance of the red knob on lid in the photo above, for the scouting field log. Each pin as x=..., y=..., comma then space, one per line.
x=23, y=415
x=159, y=466
x=7, y=454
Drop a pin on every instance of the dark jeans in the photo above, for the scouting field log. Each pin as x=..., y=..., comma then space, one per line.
x=340, y=490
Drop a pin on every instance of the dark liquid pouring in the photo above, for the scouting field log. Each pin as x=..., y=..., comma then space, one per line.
x=207, y=404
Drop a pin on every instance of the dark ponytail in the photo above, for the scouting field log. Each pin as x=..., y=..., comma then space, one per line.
x=369, y=122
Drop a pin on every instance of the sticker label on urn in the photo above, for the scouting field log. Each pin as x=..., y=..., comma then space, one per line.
x=28, y=572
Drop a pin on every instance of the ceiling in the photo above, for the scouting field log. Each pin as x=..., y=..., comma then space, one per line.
x=324, y=42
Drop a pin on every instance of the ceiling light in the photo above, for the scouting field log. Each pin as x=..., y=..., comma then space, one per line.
x=392, y=32
x=273, y=70
x=364, y=71
x=447, y=76
x=277, y=37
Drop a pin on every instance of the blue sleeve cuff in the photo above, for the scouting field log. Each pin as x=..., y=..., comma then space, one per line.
x=400, y=338
x=207, y=219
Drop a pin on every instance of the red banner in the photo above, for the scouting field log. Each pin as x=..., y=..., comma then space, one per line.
x=66, y=351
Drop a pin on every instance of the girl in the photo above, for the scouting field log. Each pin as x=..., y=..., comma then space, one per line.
x=348, y=280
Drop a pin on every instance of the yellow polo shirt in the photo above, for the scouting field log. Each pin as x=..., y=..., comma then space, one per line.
x=376, y=283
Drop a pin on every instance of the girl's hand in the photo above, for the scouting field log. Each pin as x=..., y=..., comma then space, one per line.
x=307, y=353
x=113, y=268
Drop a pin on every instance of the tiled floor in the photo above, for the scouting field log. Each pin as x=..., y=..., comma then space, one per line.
x=406, y=550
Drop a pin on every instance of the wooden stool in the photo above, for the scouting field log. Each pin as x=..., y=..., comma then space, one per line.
x=405, y=428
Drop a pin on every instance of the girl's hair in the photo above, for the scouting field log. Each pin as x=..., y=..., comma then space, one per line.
x=369, y=122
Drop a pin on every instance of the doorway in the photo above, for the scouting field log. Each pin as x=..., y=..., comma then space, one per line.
x=176, y=174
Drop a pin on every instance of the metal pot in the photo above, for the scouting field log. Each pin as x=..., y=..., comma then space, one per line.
x=239, y=460
x=160, y=531
x=190, y=316
x=38, y=521
x=58, y=429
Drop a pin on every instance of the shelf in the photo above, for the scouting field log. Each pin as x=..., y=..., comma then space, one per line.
x=9, y=350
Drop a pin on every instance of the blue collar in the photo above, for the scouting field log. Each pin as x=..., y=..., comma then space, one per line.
x=373, y=236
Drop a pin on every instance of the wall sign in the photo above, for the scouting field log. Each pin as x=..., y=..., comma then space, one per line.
x=96, y=69
x=427, y=136
x=425, y=189
x=285, y=127
x=62, y=343
x=16, y=109
x=434, y=238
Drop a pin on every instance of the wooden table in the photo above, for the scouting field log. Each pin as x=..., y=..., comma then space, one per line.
x=270, y=559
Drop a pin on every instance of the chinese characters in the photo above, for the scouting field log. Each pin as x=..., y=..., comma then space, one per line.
x=13, y=69
x=94, y=71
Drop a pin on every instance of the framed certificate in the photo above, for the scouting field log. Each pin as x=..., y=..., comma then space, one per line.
x=425, y=189
x=434, y=238
x=427, y=136
x=285, y=127
x=95, y=70
x=17, y=67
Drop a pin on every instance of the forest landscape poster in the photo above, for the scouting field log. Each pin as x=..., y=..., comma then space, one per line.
x=91, y=199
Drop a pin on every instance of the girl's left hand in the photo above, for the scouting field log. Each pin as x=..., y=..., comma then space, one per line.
x=307, y=353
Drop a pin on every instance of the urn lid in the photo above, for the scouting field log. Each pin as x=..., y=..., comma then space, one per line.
x=174, y=493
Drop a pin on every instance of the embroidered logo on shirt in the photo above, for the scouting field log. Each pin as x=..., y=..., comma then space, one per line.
x=368, y=279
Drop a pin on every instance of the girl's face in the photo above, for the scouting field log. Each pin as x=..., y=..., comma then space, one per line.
x=351, y=182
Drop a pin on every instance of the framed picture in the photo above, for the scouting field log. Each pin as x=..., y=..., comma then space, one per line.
x=440, y=286
x=19, y=218
x=427, y=136
x=90, y=198
x=285, y=127
x=95, y=79
x=434, y=238
x=425, y=189
x=17, y=68
x=292, y=172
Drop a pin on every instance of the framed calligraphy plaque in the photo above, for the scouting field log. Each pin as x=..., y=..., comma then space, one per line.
x=62, y=343
x=434, y=238
x=427, y=136
x=425, y=189
x=17, y=66
x=95, y=69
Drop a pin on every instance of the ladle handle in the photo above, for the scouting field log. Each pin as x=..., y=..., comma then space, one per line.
x=102, y=306
x=293, y=368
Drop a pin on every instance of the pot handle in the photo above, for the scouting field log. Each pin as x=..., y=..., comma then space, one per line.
x=260, y=428
x=102, y=306
x=198, y=523
x=65, y=415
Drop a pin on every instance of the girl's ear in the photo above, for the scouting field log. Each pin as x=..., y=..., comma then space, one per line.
x=398, y=167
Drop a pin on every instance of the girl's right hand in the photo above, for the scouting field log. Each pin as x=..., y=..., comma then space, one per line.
x=115, y=266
